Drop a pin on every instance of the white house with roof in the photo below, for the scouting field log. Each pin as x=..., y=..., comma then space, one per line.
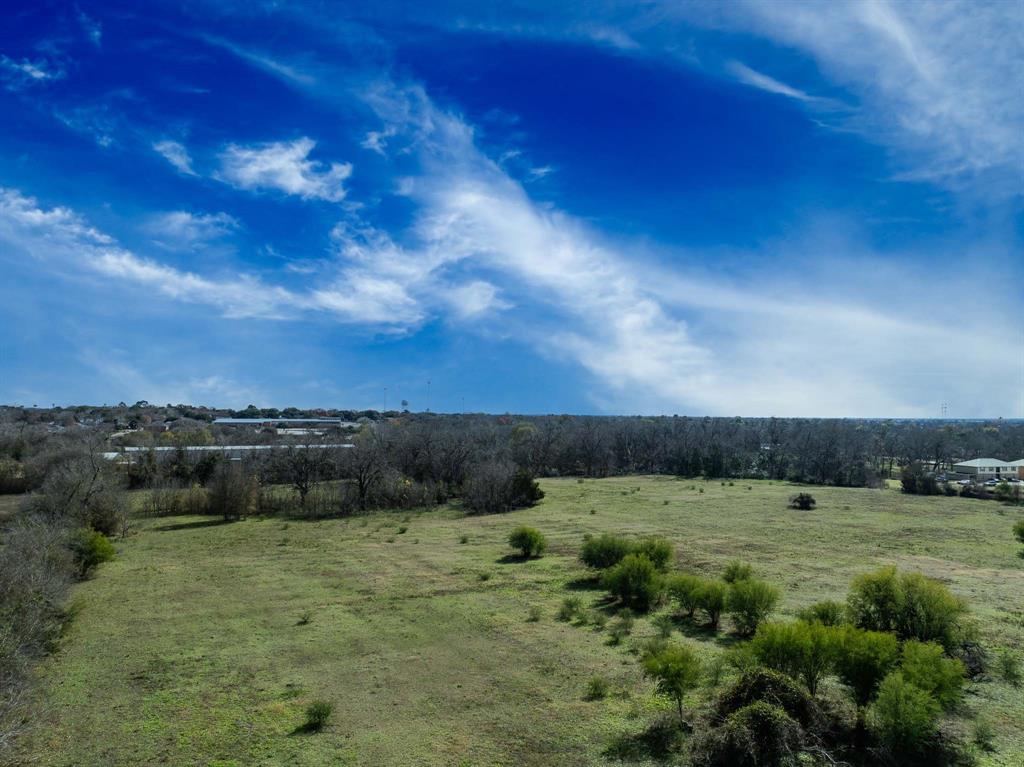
x=981, y=469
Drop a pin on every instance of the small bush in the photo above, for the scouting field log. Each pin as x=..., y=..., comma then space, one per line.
x=802, y=502
x=91, y=548
x=1018, y=530
x=571, y=607
x=604, y=551
x=481, y=576
x=317, y=714
x=983, y=734
x=1009, y=667
x=685, y=590
x=737, y=571
x=658, y=550
x=750, y=601
x=622, y=627
x=664, y=624
x=635, y=581
x=925, y=666
x=676, y=669
x=904, y=718
x=529, y=541
x=463, y=539
x=827, y=613
x=597, y=619
x=711, y=598
x=597, y=688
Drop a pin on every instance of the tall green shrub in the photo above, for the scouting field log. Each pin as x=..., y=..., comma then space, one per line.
x=604, y=551
x=925, y=666
x=749, y=602
x=676, y=670
x=685, y=590
x=711, y=598
x=635, y=581
x=863, y=659
x=528, y=540
x=903, y=717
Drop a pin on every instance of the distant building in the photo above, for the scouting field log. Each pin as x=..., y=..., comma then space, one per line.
x=982, y=469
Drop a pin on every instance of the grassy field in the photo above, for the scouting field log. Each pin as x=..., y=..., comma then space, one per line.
x=193, y=646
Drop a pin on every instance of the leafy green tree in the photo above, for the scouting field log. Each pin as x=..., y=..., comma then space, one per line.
x=749, y=602
x=676, y=670
x=863, y=659
x=530, y=541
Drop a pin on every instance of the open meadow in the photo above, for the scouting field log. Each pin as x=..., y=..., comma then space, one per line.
x=204, y=642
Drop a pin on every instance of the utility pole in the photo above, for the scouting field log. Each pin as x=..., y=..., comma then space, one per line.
x=428, y=395
x=385, y=400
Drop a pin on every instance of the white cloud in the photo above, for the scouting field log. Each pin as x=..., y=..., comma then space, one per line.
x=284, y=166
x=176, y=154
x=92, y=28
x=20, y=74
x=181, y=228
x=752, y=77
x=377, y=140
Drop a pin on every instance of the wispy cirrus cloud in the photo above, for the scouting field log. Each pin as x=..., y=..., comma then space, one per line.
x=176, y=154
x=184, y=229
x=286, y=167
x=18, y=74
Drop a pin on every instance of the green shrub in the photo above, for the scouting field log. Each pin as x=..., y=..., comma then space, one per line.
x=597, y=688
x=604, y=551
x=763, y=684
x=317, y=714
x=711, y=598
x=528, y=540
x=675, y=669
x=737, y=571
x=749, y=602
x=597, y=619
x=1009, y=667
x=635, y=581
x=827, y=613
x=756, y=735
x=904, y=718
x=463, y=539
x=909, y=604
x=925, y=666
x=685, y=590
x=622, y=627
x=659, y=550
x=664, y=624
x=805, y=651
x=534, y=615
x=802, y=501
x=1018, y=530
x=91, y=548
x=571, y=607
x=863, y=659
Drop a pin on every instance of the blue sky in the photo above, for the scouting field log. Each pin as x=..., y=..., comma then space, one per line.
x=752, y=208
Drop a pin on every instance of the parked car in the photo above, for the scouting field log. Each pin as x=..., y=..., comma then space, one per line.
x=963, y=481
x=991, y=482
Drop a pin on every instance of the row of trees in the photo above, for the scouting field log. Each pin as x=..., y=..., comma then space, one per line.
x=439, y=448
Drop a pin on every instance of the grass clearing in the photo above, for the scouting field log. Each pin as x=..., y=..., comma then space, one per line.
x=205, y=642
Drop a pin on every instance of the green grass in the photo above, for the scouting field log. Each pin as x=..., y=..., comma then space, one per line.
x=190, y=648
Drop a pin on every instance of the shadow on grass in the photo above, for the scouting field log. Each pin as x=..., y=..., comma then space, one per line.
x=694, y=629
x=514, y=559
x=194, y=525
x=584, y=584
x=307, y=728
x=660, y=742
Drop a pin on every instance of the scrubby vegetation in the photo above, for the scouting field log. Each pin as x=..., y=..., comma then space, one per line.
x=529, y=541
x=690, y=653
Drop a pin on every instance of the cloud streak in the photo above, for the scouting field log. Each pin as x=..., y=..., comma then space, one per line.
x=285, y=167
